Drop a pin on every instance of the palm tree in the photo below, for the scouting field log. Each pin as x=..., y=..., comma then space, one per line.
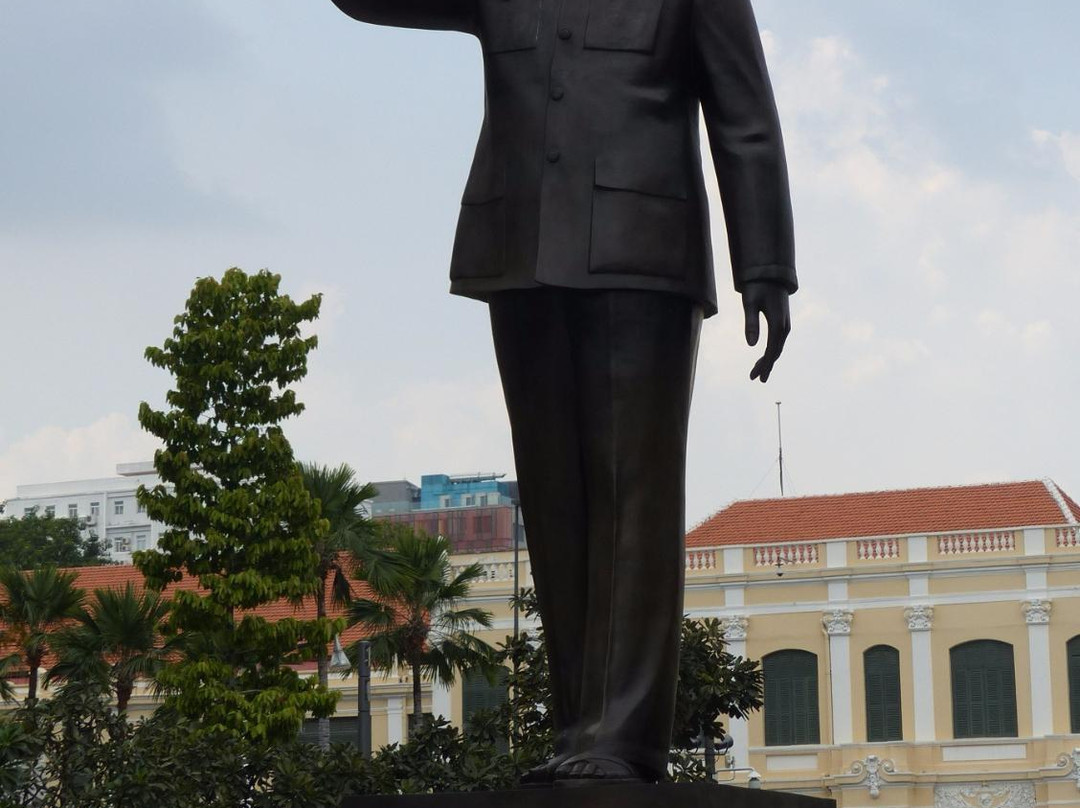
x=342, y=505
x=413, y=617
x=8, y=665
x=118, y=639
x=34, y=606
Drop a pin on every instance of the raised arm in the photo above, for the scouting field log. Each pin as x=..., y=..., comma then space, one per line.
x=442, y=15
x=747, y=148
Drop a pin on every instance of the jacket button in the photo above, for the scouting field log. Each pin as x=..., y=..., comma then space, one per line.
x=557, y=93
x=553, y=156
x=565, y=33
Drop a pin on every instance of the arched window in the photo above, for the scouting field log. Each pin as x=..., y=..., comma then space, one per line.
x=1073, y=652
x=791, y=698
x=881, y=669
x=983, y=690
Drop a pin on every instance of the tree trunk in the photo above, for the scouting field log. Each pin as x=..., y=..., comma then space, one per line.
x=417, y=698
x=323, y=665
x=31, y=688
x=124, y=689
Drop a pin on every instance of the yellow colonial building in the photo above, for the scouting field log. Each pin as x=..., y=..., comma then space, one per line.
x=920, y=648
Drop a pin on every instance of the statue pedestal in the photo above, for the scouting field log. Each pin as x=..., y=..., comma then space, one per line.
x=662, y=795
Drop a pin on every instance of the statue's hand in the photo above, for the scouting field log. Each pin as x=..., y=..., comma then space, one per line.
x=770, y=299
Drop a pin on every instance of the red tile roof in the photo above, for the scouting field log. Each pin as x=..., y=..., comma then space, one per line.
x=116, y=576
x=887, y=513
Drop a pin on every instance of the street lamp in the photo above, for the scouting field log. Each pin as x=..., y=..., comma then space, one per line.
x=340, y=662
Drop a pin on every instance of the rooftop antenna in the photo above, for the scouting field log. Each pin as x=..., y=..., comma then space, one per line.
x=780, y=437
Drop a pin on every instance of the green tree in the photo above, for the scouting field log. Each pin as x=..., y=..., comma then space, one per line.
x=238, y=517
x=8, y=666
x=74, y=750
x=34, y=541
x=341, y=503
x=117, y=640
x=414, y=618
x=713, y=684
x=34, y=605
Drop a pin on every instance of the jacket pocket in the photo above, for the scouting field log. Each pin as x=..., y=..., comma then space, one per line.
x=640, y=218
x=480, y=243
x=623, y=25
x=509, y=25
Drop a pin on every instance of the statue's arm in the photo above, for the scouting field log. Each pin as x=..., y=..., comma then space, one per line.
x=443, y=15
x=747, y=147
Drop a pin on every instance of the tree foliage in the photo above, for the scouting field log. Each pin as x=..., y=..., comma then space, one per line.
x=74, y=750
x=415, y=618
x=116, y=640
x=35, y=541
x=33, y=607
x=341, y=503
x=239, y=519
x=713, y=684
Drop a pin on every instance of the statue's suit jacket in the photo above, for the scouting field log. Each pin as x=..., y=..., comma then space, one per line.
x=588, y=172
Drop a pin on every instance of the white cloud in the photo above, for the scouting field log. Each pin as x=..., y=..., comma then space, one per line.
x=931, y=297
x=1067, y=144
x=56, y=454
x=405, y=427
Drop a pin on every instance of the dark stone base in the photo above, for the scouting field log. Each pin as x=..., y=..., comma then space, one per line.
x=662, y=795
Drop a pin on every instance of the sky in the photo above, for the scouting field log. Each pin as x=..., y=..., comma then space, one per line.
x=934, y=151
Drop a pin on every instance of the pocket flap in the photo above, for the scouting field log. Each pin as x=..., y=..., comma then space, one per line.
x=652, y=171
x=626, y=25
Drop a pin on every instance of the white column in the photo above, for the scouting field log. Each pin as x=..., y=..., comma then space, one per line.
x=440, y=700
x=1037, y=616
x=836, y=554
x=733, y=560
x=1034, y=541
x=735, y=631
x=920, y=619
x=916, y=549
x=395, y=715
x=837, y=625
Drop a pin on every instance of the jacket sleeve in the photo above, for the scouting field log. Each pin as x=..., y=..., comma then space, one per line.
x=442, y=15
x=744, y=137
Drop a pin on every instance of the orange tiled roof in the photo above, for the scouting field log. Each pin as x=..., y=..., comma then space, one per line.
x=887, y=513
x=116, y=576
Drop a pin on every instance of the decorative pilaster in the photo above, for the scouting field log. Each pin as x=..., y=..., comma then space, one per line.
x=1070, y=762
x=920, y=620
x=440, y=700
x=736, y=628
x=837, y=624
x=1037, y=616
x=871, y=770
x=395, y=717
x=1036, y=612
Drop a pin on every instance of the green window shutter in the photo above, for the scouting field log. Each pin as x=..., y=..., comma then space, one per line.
x=1073, y=651
x=478, y=694
x=984, y=690
x=343, y=729
x=881, y=669
x=791, y=698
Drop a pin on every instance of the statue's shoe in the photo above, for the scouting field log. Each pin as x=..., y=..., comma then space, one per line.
x=591, y=768
x=543, y=776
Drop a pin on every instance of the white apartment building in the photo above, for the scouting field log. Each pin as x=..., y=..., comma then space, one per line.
x=106, y=506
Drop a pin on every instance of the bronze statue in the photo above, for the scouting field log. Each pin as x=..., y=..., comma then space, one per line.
x=585, y=226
